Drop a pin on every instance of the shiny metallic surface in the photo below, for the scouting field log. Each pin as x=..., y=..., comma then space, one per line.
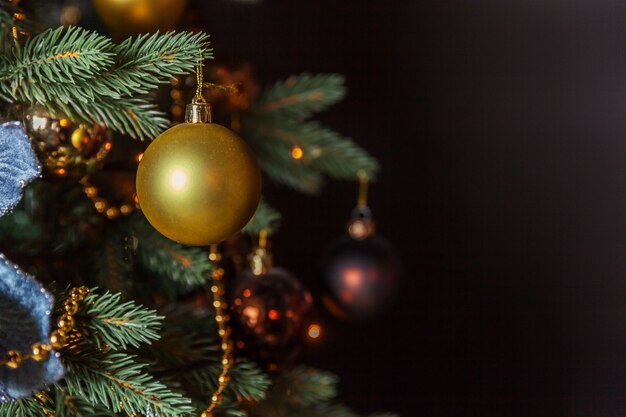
x=198, y=183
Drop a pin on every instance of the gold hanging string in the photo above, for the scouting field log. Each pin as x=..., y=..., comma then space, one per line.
x=263, y=239
x=198, y=97
x=217, y=289
x=234, y=88
x=363, y=188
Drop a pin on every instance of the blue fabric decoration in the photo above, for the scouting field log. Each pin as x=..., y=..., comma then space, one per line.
x=25, y=310
x=18, y=165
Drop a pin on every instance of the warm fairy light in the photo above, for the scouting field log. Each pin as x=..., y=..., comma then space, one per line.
x=178, y=179
x=314, y=331
x=108, y=146
x=64, y=122
x=296, y=152
x=91, y=191
x=112, y=212
x=61, y=172
x=272, y=314
x=126, y=209
x=139, y=157
x=247, y=293
x=251, y=315
x=176, y=110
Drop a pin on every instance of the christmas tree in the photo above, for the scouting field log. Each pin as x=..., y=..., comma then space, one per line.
x=106, y=316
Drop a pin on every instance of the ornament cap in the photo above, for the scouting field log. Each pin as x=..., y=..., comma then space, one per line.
x=361, y=224
x=199, y=111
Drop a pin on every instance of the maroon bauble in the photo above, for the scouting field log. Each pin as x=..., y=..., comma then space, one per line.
x=269, y=315
x=361, y=276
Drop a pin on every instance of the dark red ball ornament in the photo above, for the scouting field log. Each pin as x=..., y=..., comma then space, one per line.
x=270, y=313
x=361, y=271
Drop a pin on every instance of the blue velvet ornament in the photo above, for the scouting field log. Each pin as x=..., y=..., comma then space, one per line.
x=25, y=311
x=18, y=164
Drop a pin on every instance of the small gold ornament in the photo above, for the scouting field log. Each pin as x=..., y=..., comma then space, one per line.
x=64, y=148
x=198, y=183
x=132, y=17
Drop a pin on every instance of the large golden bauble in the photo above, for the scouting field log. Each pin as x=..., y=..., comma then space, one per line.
x=198, y=183
x=132, y=17
x=64, y=148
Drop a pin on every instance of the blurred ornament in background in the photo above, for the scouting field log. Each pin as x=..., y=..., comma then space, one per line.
x=361, y=270
x=26, y=307
x=70, y=15
x=64, y=148
x=270, y=312
x=18, y=164
x=133, y=17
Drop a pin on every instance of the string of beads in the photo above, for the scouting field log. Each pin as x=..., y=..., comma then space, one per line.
x=217, y=289
x=58, y=338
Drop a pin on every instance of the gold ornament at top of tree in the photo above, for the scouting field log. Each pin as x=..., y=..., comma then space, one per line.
x=198, y=183
x=132, y=17
x=64, y=148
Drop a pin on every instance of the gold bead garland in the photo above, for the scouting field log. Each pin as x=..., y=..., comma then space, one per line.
x=217, y=289
x=58, y=338
x=102, y=206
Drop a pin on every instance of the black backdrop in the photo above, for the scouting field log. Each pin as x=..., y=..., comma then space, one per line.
x=500, y=129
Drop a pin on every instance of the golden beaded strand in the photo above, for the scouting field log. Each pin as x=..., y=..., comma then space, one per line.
x=58, y=338
x=217, y=289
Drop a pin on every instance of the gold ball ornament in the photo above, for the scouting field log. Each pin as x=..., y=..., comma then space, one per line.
x=64, y=148
x=132, y=17
x=198, y=183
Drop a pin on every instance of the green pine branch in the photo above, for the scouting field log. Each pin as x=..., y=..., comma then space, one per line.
x=66, y=405
x=57, y=56
x=300, y=96
x=83, y=76
x=27, y=407
x=136, y=117
x=180, y=268
x=307, y=386
x=110, y=323
x=117, y=382
x=112, y=268
x=193, y=360
x=278, y=122
x=24, y=24
x=265, y=218
x=149, y=60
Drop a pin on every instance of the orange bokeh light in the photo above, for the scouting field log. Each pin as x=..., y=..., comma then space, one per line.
x=314, y=331
x=297, y=152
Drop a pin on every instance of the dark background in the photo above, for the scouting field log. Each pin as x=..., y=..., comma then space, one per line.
x=500, y=129
x=501, y=132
